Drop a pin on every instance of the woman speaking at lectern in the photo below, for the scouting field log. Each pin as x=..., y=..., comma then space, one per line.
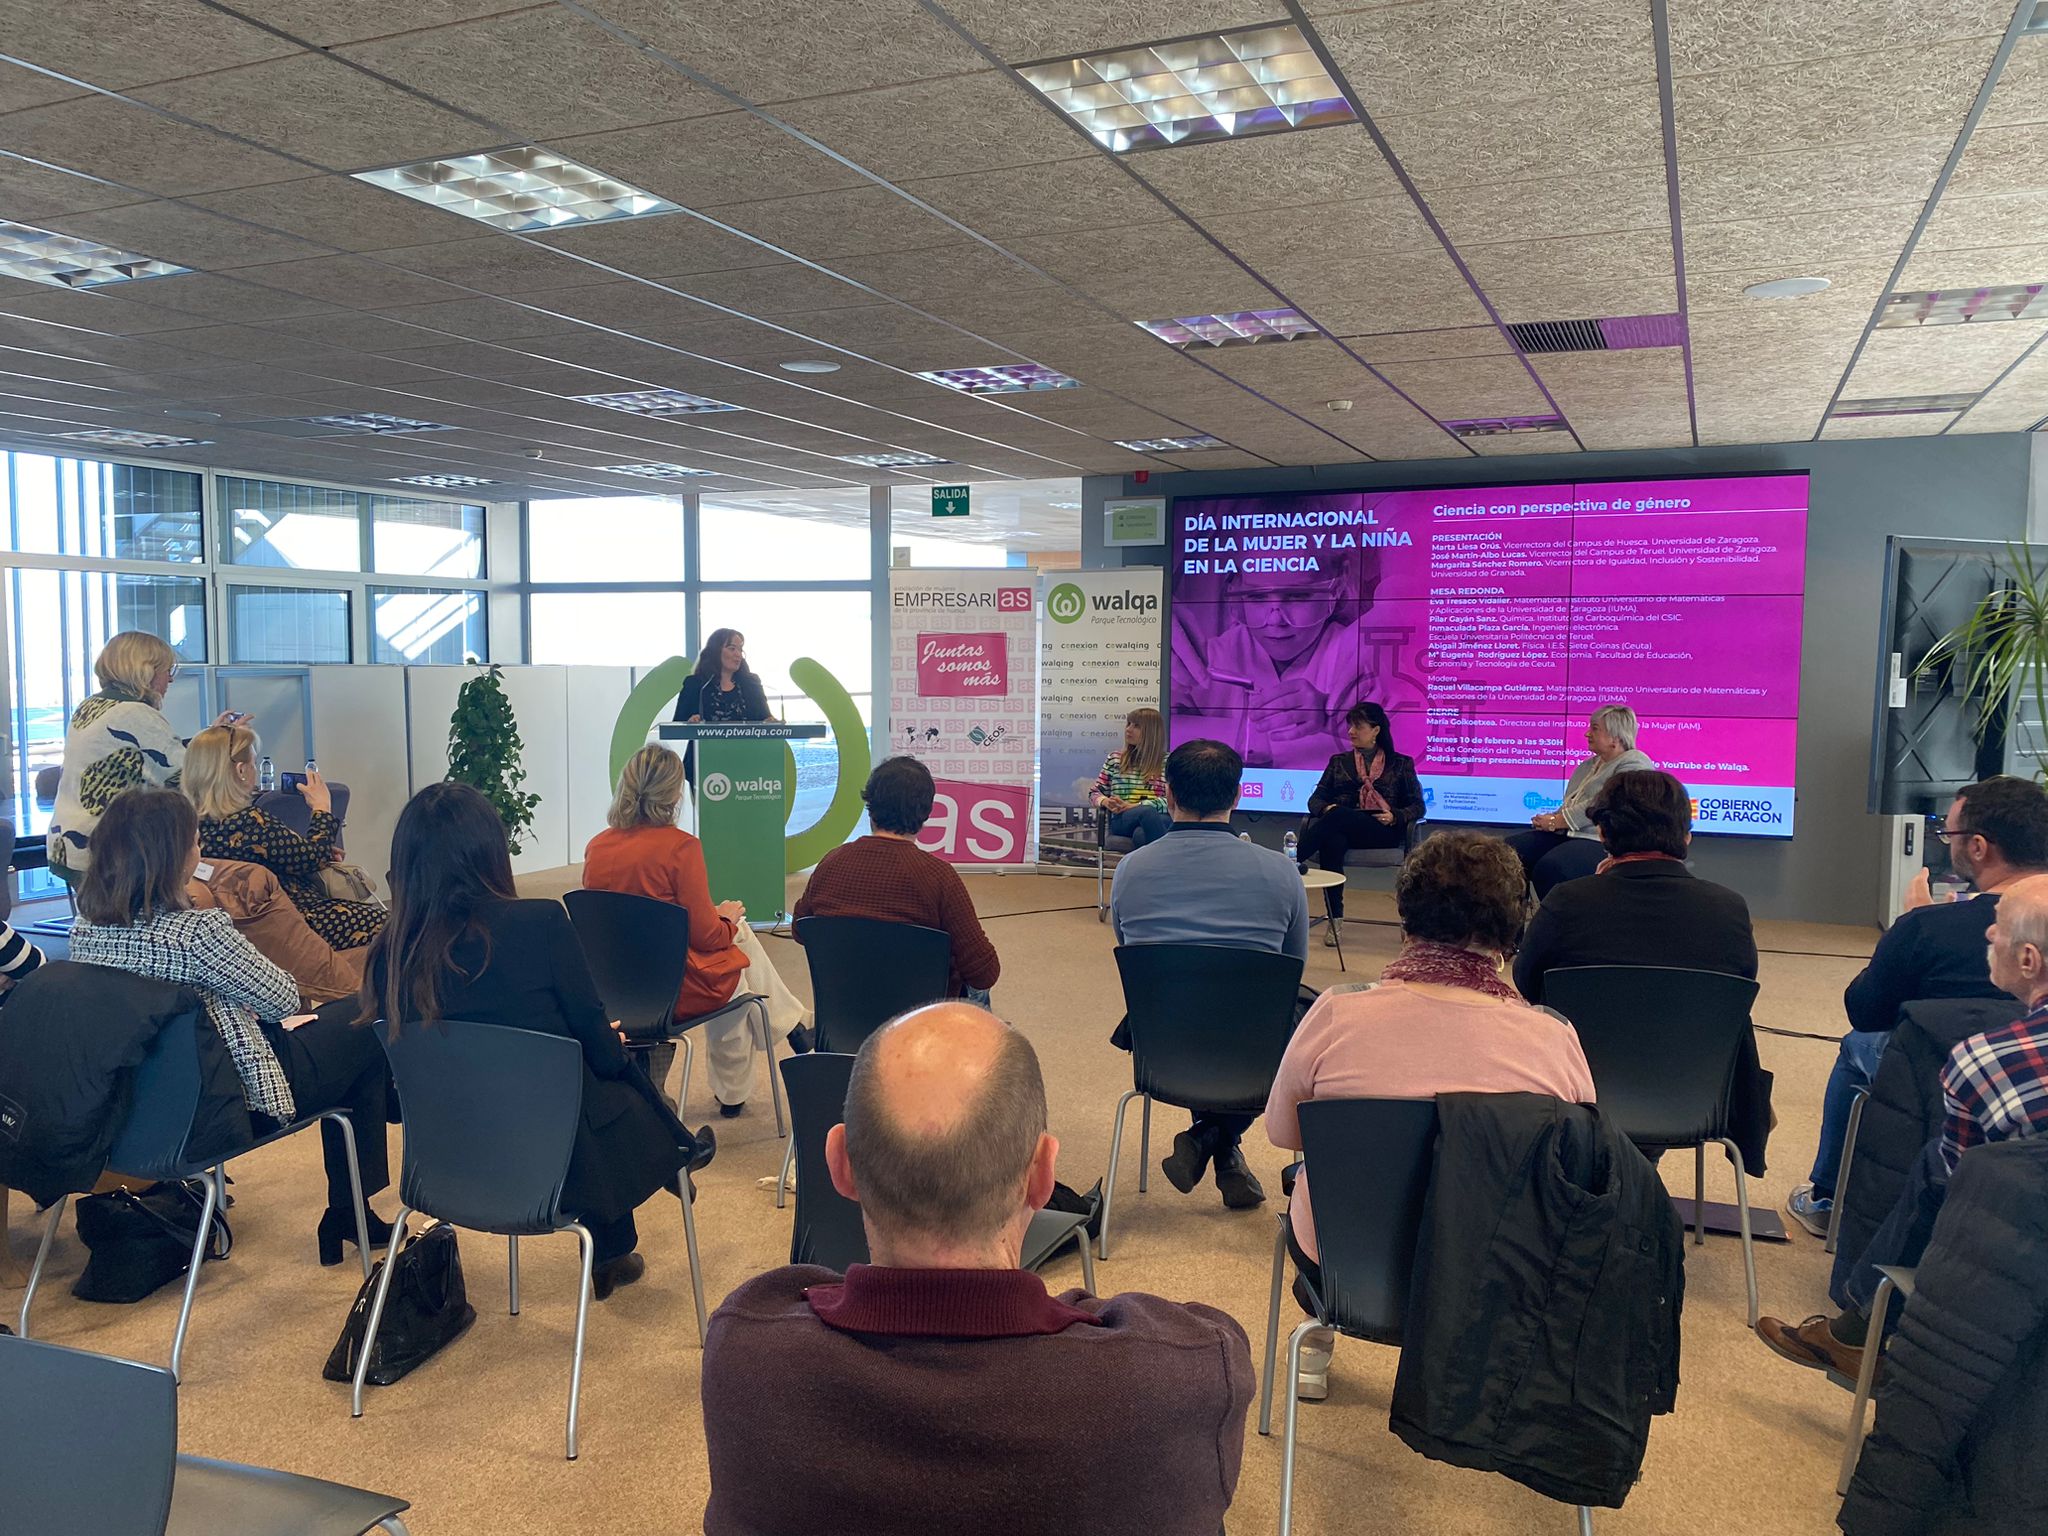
x=722, y=691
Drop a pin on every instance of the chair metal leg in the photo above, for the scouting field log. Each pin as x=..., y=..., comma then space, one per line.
x=1842, y=1168
x=1087, y=1261
x=512, y=1271
x=214, y=1183
x=760, y=1010
x=376, y=1316
x=1287, y=1438
x=1873, y=1346
x=1273, y=1324
x=1585, y=1520
x=1742, y=1209
x=1145, y=1144
x=782, y=1178
x=589, y=1247
x=355, y=1183
x=683, y=1083
x=1116, y=1147
x=394, y=1525
x=1699, y=1194
x=696, y=1264
x=35, y=1274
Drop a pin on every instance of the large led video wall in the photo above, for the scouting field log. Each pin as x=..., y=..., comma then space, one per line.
x=1490, y=622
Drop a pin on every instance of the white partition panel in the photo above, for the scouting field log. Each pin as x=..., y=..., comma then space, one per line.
x=540, y=709
x=360, y=735
x=595, y=696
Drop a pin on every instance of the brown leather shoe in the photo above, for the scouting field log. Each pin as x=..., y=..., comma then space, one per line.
x=1811, y=1343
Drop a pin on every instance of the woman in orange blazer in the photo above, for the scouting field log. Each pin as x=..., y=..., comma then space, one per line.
x=644, y=853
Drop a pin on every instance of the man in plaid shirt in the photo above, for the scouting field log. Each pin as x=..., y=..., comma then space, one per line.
x=1995, y=1086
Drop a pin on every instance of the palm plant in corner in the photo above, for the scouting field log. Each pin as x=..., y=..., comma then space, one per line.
x=484, y=749
x=1998, y=657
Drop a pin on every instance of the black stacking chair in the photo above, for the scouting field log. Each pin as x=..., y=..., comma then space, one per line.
x=153, y=1144
x=1208, y=1027
x=828, y=1229
x=490, y=1120
x=1370, y=1160
x=1662, y=1042
x=637, y=949
x=91, y=1444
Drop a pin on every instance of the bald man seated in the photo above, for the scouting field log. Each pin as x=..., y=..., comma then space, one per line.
x=941, y=1388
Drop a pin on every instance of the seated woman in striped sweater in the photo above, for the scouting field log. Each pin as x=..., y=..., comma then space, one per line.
x=1132, y=785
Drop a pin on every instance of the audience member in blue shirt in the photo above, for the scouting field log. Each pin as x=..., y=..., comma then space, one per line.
x=1201, y=885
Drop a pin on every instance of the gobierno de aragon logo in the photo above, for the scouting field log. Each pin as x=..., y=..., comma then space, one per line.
x=1065, y=603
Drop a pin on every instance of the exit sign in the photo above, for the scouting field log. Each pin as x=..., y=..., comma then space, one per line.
x=949, y=500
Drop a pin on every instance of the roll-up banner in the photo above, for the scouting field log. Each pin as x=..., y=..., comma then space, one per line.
x=1098, y=659
x=963, y=699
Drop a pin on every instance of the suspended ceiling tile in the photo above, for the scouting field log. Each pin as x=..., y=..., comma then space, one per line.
x=766, y=53
x=145, y=40
x=1992, y=267
x=1106, y=351
x=1422, y=58
x=1284, y=238
x=1556, y=133
x=1523, y=299
x=355, y=282
x=493, y=263
x=1458, y=388
x=540, y=73
x=1632, y=399
x=2001, y=160
x=1891, y=93
x=310, y=106
x=1822, y=179
x=325, y=23
x=338, y=211
x=1511, y=445
x=664, y=245
x=1727, y=34
x=2021, y=95
x=896, y=337
x=1971, y=223
x=23, y=88
x=1627, y=197
x=1404, y=291
x=1801, y=243
x=172, y=232
x=1812, y=342
x=93, y=310
x=1855, y=287
x=1429, y=346
x=976, y=122
x=710, y=160
x=1181, y=275
x=1733, y=413
x=1521, y=271
x=824, y=225
x=1297, y=369
x=35, y=193
x=355, y=332
x=102, y=137
x=1938, y=359
x=1040, y=29
x=1060, y=195
x=1225, y=458
x=1919, y=424
x=1274, y=170
x=788, y=289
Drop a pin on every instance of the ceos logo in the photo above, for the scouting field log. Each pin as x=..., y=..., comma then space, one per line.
x=1065, y=603
x=716, y=786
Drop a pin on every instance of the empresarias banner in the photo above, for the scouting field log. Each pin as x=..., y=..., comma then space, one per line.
x=1098, y=659
x=963, y=699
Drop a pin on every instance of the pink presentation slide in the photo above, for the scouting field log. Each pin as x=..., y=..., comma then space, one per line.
x=1490, y=621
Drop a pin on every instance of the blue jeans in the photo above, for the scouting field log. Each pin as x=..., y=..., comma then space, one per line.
x=1855, y=1070
x=1142, y=824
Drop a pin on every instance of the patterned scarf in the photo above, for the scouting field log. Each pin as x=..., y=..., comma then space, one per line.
x=1369, y=798
x=1447, y=965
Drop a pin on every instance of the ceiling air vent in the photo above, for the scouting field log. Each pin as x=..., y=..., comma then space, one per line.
x=1615, y=333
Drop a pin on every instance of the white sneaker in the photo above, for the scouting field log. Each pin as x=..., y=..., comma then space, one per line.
x=1330, y=932
x=1312, y=1380
x=1815, y=1213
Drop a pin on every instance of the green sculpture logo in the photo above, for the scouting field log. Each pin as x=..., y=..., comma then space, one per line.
x=1065, y=603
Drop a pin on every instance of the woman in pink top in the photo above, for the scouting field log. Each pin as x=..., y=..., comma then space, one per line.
x=1443, y=1019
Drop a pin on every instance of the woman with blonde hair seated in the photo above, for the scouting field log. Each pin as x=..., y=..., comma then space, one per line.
x=1132, y=785
x=118, y=739
x=220, y=778
x=644, y=853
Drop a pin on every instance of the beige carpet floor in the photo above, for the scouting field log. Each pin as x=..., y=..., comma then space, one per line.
x=474, y=1438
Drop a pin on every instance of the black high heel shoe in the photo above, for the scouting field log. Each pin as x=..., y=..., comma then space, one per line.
x=337, y=1227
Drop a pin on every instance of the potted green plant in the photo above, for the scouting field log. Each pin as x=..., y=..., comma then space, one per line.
x=1999, y=654
x=484, y=749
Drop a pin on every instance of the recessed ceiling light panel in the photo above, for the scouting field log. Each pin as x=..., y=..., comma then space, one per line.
x=1232, y=330
x=1965, y=306
x=1787, y=288
x=373, y=421
x=1171, y=444
x=1501, y=426
x=118, y=437
x=655, y=471
x=64, y=261
x=1001, y=379
x=442, y=482
x=1904, y=405
x=891, y=460
x=655, y=402
x=519, y=190
x=1221, y=86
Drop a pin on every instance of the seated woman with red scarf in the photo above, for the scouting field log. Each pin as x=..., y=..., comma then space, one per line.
x=1367, y=798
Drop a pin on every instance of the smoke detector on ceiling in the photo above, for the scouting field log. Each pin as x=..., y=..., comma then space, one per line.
x=1787, y=288
x=1338, y=405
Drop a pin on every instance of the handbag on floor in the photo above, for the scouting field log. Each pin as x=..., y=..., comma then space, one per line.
x=140, y=1243
x=428, y=1308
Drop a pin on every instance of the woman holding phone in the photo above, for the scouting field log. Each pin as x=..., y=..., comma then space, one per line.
x=220, y=777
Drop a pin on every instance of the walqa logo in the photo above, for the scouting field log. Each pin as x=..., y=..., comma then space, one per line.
x=716, y=786
x=1065, y=603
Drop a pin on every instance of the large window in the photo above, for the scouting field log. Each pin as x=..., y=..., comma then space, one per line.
x=611, y=629
x=305, y=625
x=113, y=511
x=415, y=626
x=605, y=539
x=821, y=536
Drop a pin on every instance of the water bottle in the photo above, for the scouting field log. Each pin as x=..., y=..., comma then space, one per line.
x=1289, y=846
x=266, y=776
x=311, y=766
